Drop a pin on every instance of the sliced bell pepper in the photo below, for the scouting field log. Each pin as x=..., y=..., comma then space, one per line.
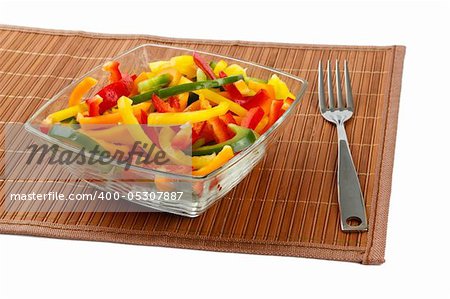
x=185, y=65
x=111, y=118
x=281, y=89
x=113, y=134
x=232, y=90
x=172, y=105
x=113, y=68
x=228, y=118
x=201, y=76
x=203, y=65
x=80, y=90
x=220, y=130
x=177, y=156
x=253, y=117
x=287, y=103
x=242, y=139
x=257, y=86
x=112, y=92
x=143, y=117
x=217, y=98
x=132, y=124
x=275, y=112
x=262, y=125
x=66, y=113
x=243, y=88
x=204, y=103
x=185, y=87
x=220, y=66
x=179, y=118
x=235, y=69
x=72, y=136
x=155, y=83
x=157, y=66
x=202, y=161
x=183, y=138
x=173, y=72
x=222, y=157
x=260, y=99
x=194, y=106
x=94, y=105
x=197, y=129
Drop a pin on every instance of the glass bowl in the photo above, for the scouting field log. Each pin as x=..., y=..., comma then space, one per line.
x=197, y=193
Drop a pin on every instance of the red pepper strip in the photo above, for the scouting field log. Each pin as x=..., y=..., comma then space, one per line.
x=151, y=132
x=197, y=129
x=228, y=118
x=182, y=139
x=253, y=117
x=174, y=103
x=143, y=119
x=287, y=103
x=260, y=99
x=112, y=92
x=275, y=112
x=94, y=105
x=207, y=132
x=220, y=129
x=232, y=90
x=113, y=68
x=204, y=66
x=171, y=105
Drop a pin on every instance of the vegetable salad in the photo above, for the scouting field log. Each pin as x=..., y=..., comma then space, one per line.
x=199, y=113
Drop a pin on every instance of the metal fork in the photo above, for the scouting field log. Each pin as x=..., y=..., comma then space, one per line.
x=351, y=201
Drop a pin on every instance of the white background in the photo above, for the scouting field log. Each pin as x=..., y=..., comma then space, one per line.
x=416, y=257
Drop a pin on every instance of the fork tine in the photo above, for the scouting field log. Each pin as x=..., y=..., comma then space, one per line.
x=322, y=103
x=330, y=86
x=348, y=87
x=340, y=104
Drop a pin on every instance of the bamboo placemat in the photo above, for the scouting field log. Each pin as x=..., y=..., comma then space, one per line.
x=286, y=206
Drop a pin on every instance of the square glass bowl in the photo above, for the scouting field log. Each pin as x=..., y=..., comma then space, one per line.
x=198, y=193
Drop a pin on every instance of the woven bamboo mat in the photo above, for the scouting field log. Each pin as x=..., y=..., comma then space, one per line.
x=286, y=206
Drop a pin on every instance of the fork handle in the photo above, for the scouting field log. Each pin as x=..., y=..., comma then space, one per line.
x=351, y=201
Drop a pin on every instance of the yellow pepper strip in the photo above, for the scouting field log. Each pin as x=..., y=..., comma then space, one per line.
x=185, y=65
x=257, y=86
x=179, y=118
x=111, y=118
x=222, y=157
x=281, y=89
x=217, y=98
x=159, y=65
x=66, y=113
x=202, y=161
x=165, y=140
x=235, y=69
x=129, y=119
x=220, y=66
x=81, y=89
x=243, y=88
x=114, y=134
x=262, y=124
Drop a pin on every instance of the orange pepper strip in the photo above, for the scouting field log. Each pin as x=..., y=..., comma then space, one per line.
x=222, y=157
x=112, y=118
x=80, y=90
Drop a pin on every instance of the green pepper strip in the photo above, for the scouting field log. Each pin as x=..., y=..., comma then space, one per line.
x=182, y=88
x=242, y=139
x=67, y=133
